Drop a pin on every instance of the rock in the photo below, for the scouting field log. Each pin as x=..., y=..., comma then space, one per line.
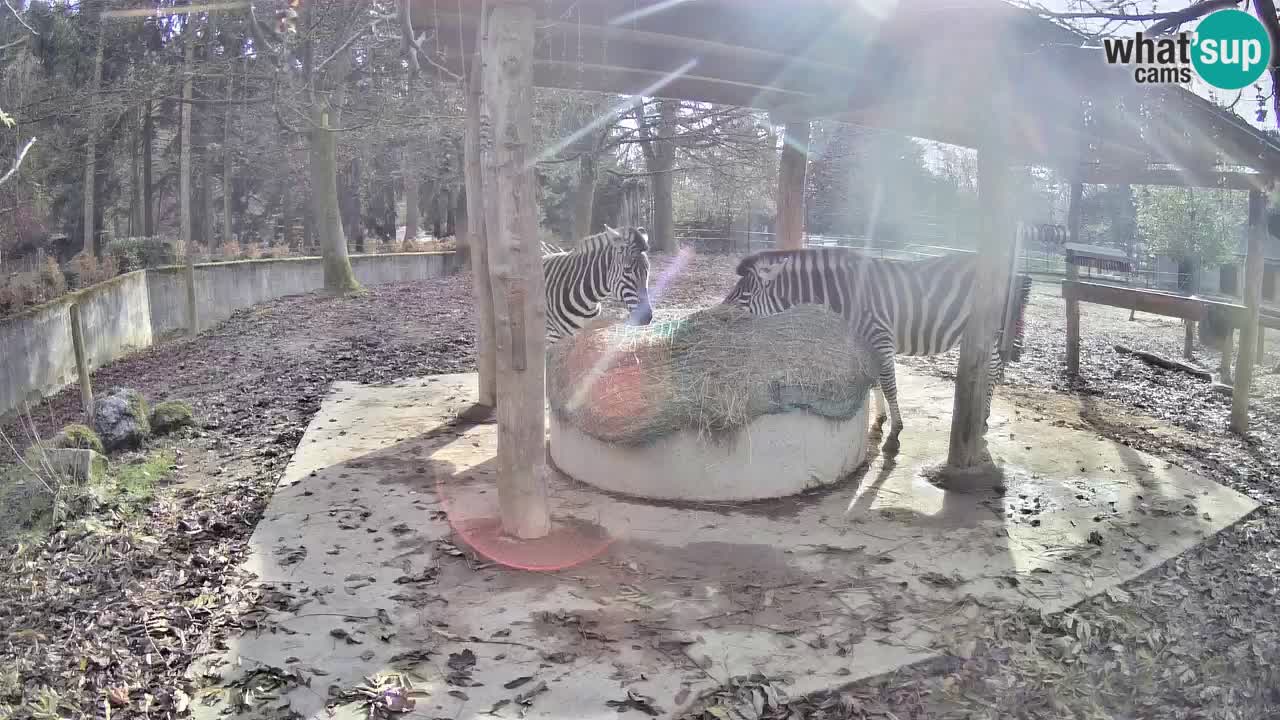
x=77, y=465
x=171, y=415
x=120, y=419
x=77, y=436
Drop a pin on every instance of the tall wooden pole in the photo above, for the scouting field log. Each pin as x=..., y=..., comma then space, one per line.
x=1253, y=300
x=968, y=445
x=479, y=247
x=791, y=178
x=1073, y=306
x=515, y=264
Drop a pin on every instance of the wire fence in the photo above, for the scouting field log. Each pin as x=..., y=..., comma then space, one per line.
x=1146, y=272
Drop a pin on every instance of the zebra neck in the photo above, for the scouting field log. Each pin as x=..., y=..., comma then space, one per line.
x=589, y=274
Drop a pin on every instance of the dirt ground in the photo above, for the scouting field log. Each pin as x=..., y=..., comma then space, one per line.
x=111, y=614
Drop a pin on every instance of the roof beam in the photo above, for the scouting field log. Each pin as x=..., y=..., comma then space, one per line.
x=1169, y=177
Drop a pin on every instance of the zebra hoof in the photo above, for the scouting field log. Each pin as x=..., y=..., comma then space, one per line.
x=891, y=445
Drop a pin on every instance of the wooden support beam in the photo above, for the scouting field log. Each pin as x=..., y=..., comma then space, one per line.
x=515, y=264
x=82, y=362
x=478, y=246
x=967, y=444
x=1169, y=177
x=1154, y=302
x=1073, y=306
x=791, y=178
x=1253, y=301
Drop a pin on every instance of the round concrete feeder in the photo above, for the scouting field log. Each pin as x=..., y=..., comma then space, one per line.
x=717, y=405
x=772, y=456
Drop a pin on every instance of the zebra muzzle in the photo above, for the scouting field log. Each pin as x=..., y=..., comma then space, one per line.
x=640, y=315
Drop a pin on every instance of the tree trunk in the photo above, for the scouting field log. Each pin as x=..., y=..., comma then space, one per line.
x=450, y=221
x=135, y=182
x=477, y=243
x=515, y=259
x=338, y=276
x=428, y=215
x=411, y=190
x=227, y=231
x=148, y=139
x=184, y=156
x=91, y=146
x=791, y=178
x=584, y=195
x=662, y=235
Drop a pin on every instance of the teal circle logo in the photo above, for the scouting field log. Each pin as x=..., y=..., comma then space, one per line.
x=1231, y=49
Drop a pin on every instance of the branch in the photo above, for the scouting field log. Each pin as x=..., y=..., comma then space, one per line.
x=18, y=16
x=260, y=40
x=1266, y=10
x=1191, y=13
x=413, y=46
x=18, y=162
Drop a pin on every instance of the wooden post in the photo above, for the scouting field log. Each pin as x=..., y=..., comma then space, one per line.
x=1224, y=363
x=791, y=177
x=189, y=278
x=1253, y=301
x=1073, y=273
x=968, y=445
x=82, y=363
x=482, y=291
x=515, y=262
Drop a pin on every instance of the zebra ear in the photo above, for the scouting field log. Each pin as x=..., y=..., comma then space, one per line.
x=769, y=269
x=640, y=239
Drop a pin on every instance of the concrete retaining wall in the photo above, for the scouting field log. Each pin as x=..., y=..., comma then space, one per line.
x=132, y=311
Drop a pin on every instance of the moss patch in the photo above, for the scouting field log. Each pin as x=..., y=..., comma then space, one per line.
x=141, y=412
x=134, y=485
x=78, y=436
x=171, y=415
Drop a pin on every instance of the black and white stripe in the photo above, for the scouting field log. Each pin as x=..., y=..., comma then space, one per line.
x=902, y=307
x=614, y=263
x=549, y=249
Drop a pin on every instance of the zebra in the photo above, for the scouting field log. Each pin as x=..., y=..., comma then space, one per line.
x=613, y=263
x=549, y=249
x=907, y=307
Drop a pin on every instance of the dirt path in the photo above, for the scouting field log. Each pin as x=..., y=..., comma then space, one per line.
x=1198, y=637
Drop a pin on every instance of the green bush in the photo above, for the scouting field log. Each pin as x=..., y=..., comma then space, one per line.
x=78, y=436
x=137, y=253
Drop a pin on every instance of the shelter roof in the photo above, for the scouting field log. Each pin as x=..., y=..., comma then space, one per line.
x=926, y=68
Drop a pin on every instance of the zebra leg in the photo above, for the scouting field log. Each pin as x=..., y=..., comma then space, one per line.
x=883, y=346
x=881, y=415
x=994, y=374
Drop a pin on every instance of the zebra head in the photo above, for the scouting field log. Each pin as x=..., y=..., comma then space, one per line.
x=756, y=274
x=629, y=272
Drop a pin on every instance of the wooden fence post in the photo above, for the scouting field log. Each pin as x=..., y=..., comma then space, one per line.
x=189, y=276
x=82, y=362
x=1252, y=300
x=515, y=260
x=1073, y=274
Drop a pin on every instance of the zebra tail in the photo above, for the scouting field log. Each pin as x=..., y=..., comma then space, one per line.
x=1023, y=286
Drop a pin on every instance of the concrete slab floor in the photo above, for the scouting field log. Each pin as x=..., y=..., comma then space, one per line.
x=359, y=554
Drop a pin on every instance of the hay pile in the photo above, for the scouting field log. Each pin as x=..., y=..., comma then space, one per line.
x=712, y=372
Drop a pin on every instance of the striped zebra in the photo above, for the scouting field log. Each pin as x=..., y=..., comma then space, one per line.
x=614, y=263
x=916, y=307
x=549, y=249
